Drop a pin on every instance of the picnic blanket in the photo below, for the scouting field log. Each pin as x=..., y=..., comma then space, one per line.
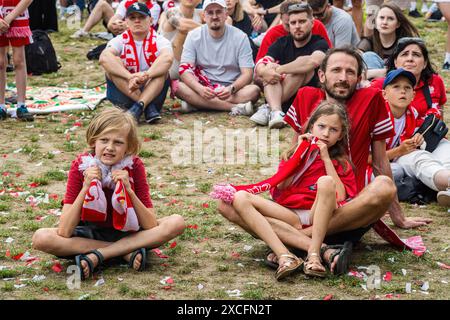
x=43, y=100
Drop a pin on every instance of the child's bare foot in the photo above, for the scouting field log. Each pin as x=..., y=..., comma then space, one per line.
x=88, y=262
x=337, y=257
x=137, y=259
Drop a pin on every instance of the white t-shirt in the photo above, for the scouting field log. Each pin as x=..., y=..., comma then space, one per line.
x=155, y=11
x=161, y=43
x=220, y=59
x=399, y=126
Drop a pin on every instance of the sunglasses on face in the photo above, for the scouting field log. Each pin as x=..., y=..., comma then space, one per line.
x=320, y=15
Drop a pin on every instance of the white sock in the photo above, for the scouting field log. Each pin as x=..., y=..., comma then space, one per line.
x=413, y=6
x=447, y=57
x=424, y=7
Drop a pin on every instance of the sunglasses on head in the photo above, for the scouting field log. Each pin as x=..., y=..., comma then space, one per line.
x=411, y=39
x=298, y=7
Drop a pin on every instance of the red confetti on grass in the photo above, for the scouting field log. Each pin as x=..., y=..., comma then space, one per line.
x=388, y=276
x=235, y=255
x=173, y=245
x=147, y=139
x=34, y=185
x=17, y=257
x=205, y=205
x=5, y=156
x=45, y=289
x=5, y=174
x=167, y=287
x=57, y=267
x=443, y=266
x=328, y=297
x=53, y=196
x=192, y=226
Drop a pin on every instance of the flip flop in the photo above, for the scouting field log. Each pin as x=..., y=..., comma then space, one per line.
x=143, y=252
x=84, y=257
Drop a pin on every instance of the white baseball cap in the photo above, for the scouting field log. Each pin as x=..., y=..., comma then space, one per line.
x=219, y=2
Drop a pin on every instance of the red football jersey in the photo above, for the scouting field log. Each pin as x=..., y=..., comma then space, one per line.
x=369, y=121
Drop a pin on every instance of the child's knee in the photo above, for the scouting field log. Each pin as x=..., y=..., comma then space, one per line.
x=326, y=184
x=41, y=239
x=241, y=197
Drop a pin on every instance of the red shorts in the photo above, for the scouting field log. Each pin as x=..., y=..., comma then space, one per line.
x=15, y=42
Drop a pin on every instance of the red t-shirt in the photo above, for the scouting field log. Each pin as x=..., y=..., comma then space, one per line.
x=302, y=193
x=278, y=31
x=137, y=174
x=368, y=117
x=437, y=93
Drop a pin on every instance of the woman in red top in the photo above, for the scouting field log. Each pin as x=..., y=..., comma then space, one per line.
x=306, y=198
x=112, y=136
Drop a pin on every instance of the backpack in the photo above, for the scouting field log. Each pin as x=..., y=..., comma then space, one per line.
x=94, y=54
x=40, y=55
x=414, y=191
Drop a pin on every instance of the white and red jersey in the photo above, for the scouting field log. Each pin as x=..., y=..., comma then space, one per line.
x=153, y=6
x=20, y=26
x=368, y=117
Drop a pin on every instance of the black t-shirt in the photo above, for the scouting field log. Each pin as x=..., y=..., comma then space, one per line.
x=285, y=51
x=267, y=4
x=244, y=25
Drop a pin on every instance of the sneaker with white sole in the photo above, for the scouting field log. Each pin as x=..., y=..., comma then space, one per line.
x=242, y=109
x=443, y=198
x=276, y=120
x=80, y=34
x=261, y=116
x=187, y=108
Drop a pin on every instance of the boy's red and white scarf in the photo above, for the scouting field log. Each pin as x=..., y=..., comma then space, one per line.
x=199, y=74
x=95, y=204
x=129, y=54
x=19, y=27
x=302, y=158
x=299, y=162
x=148, y=3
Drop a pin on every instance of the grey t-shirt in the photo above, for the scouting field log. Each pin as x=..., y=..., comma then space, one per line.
x=220, y=59
x=341, y=29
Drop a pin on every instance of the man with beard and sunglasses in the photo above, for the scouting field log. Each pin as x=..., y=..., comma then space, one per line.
x=290, y=63
x=339, y=74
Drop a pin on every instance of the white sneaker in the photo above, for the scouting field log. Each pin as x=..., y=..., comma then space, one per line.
x=187, y=108
x=276, y=120
x=443, y=198
x=242, y=109
x=261, y=116
x=80, y=34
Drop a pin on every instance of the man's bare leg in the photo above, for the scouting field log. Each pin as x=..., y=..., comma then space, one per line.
x=250, y=92
x=190, y=96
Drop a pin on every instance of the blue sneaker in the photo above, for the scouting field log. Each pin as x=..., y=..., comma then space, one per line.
x=3, y=114
x=151, y=114
x=23, y=114
x=136, y=110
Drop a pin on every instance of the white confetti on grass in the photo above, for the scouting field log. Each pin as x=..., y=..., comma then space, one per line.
x=99, y=282
x=234, y=293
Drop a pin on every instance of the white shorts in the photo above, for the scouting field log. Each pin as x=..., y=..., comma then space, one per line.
x=304, y=216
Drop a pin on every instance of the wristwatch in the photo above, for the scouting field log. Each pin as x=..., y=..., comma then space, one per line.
x=233, y=89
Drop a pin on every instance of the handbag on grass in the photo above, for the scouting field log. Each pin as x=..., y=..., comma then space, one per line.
x=433, y=130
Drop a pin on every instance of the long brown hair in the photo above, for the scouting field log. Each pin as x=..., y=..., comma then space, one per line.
x=340, y=150
x=405, y=29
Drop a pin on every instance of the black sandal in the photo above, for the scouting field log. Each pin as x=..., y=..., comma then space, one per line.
x=343, y=251
x=143, y=252
x=84, y=257
x=270, y=263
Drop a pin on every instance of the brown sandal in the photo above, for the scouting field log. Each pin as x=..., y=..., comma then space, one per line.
x=311, y=266
x=288, y=266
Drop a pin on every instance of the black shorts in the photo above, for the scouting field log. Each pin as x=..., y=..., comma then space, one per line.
x=351, y=235
x=92, y=231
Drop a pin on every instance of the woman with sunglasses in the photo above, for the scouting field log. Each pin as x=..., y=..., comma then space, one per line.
x=390, y=25
x=430, y=97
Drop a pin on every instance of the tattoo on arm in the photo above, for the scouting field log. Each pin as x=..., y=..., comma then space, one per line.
x=173, y=17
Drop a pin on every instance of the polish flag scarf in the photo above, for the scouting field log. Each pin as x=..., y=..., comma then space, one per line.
x=19, y=27
x=302, y=158
x=129, y=54
x=95, y=204
x=411, y=115
x=200, y=75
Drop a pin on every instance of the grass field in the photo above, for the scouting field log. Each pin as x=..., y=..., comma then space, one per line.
x=212, y=259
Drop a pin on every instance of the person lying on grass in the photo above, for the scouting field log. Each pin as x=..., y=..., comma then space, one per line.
x=308, y=196
x=107, y=210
